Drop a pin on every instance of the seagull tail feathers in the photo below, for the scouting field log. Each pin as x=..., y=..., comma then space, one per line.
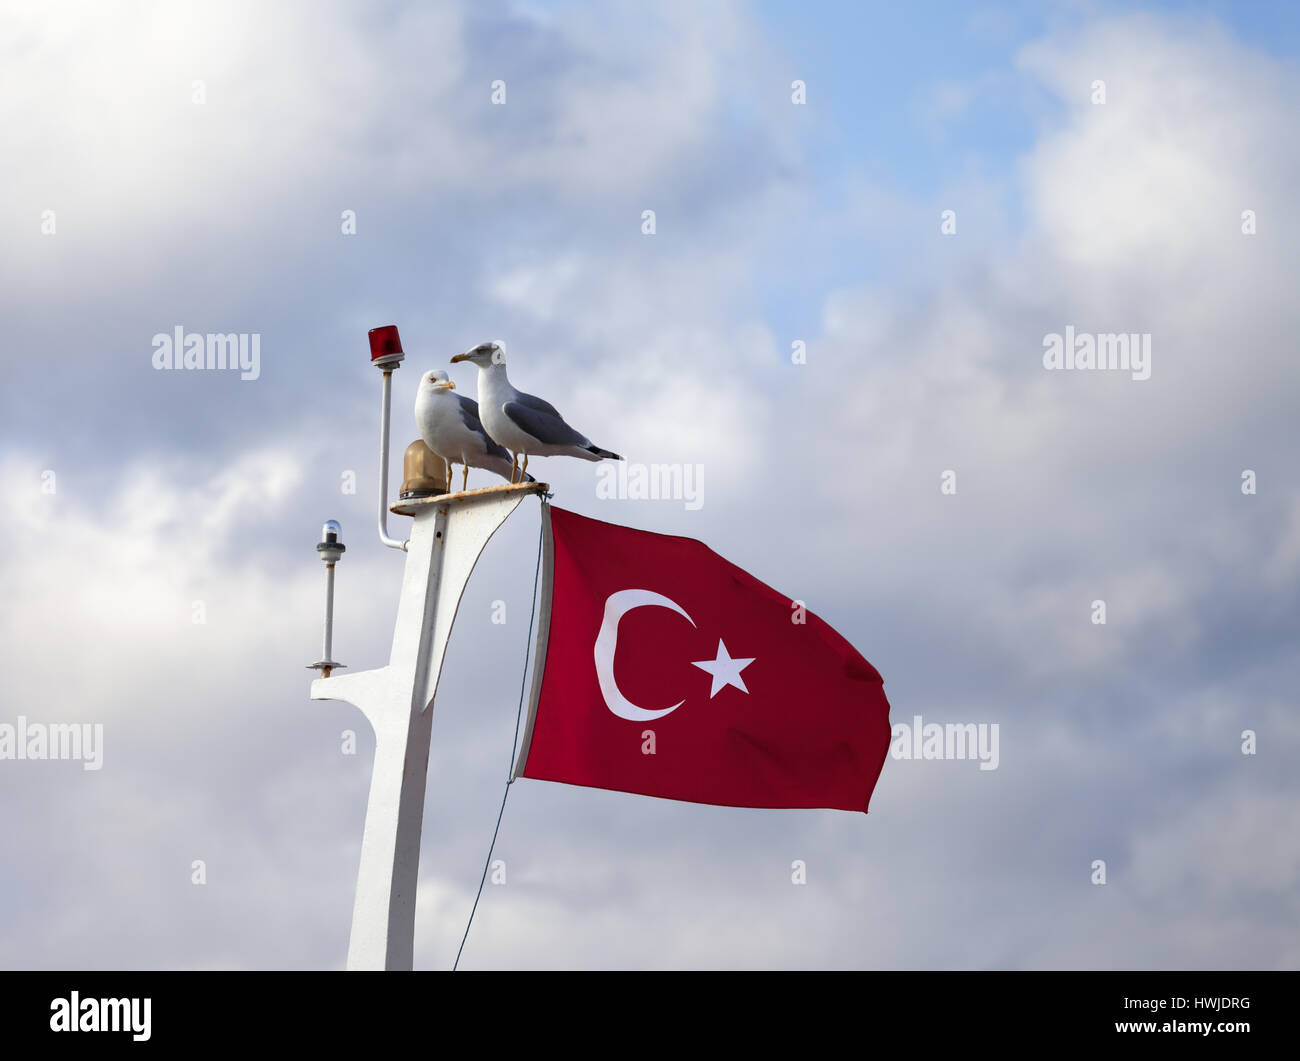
x=602, y=454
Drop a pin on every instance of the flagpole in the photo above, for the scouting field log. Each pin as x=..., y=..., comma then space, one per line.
x=543, y=637
x=449, y=533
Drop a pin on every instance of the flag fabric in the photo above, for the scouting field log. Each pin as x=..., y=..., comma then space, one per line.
x=665, y=670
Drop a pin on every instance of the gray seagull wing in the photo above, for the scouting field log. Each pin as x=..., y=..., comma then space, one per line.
x=540, y=420
x=469, y=417
x=531, y=401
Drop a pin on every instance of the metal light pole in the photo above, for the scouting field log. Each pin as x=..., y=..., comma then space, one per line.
x=331, y=549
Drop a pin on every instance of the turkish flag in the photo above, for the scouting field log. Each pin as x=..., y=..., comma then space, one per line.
x=668, y=671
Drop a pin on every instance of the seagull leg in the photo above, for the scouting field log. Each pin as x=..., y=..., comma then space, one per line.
x=524, y=474
x=464, y=483
x=514, y=465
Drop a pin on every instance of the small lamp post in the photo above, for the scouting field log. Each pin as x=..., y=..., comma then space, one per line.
x=331, y=548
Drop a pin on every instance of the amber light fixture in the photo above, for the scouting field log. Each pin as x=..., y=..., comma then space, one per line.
x=424, y=473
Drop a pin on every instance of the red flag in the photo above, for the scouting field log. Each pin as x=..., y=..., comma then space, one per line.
x=668, y=671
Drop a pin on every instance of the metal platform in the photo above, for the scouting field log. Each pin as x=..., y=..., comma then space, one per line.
x=418, y=504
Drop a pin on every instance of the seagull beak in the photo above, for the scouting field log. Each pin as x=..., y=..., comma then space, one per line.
x=451, y=386
x=460, y=357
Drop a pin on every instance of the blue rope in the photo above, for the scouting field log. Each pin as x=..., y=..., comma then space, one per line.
x=513, y=744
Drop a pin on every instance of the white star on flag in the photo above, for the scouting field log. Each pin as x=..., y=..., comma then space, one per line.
x=724, y=669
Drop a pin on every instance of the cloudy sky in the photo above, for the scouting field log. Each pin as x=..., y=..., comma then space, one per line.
x=190, y=165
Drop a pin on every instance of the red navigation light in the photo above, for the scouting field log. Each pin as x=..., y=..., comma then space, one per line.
x=385, y=346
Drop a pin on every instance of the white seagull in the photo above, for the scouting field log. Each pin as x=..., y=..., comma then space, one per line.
x=523, y=423
x=450, y=426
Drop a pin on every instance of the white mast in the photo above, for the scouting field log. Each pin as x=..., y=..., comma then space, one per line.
x=449, y=533
x=445, y=543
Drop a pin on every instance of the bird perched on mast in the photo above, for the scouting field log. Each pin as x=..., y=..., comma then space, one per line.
x=523, y=423
x=450, y=426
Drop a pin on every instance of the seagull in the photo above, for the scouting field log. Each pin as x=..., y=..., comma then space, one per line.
x=450, y=426
x=521, y=422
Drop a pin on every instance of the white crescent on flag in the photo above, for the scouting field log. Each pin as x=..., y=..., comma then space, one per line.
x=616, y=606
